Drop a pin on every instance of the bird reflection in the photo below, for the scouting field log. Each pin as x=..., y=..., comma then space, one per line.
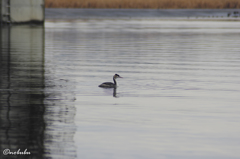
x=114, y=92
x=108, y=90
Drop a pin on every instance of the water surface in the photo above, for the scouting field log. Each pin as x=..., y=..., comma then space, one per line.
x=179, y=97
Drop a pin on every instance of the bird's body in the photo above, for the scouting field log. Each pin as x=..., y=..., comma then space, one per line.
x=110, y=84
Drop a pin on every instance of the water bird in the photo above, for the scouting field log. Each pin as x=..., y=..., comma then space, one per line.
x=110, y=84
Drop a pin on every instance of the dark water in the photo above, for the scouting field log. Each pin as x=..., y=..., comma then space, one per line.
x=21, y=90
x=35, y=114
x=179, y=97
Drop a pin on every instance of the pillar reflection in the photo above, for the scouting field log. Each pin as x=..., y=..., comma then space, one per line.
x=28, y=116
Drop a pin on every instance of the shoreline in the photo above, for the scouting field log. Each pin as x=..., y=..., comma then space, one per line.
x=158, y=14
x=143, y=4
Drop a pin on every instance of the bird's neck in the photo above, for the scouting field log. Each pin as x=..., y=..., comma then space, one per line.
x=114, y=81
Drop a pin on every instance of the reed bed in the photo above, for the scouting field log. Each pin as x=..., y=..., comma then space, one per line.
x=153, y=4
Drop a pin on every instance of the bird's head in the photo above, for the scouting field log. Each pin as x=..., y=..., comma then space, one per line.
x=116, y=76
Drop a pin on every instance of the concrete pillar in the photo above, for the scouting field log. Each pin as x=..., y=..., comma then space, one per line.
x=22, y=11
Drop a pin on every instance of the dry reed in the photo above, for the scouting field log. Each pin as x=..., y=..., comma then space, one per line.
x=154, y=4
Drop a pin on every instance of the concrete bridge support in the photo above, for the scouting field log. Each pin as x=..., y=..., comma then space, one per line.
x=21, y=11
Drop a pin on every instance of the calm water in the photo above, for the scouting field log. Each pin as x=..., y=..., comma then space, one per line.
x=178, y=98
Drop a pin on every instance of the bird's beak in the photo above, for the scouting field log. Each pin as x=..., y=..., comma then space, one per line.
x=120, y=77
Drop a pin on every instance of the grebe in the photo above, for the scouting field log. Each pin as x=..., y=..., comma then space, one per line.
x=110, y=84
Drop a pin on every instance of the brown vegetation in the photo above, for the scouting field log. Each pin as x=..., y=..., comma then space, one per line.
x=155, y=4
